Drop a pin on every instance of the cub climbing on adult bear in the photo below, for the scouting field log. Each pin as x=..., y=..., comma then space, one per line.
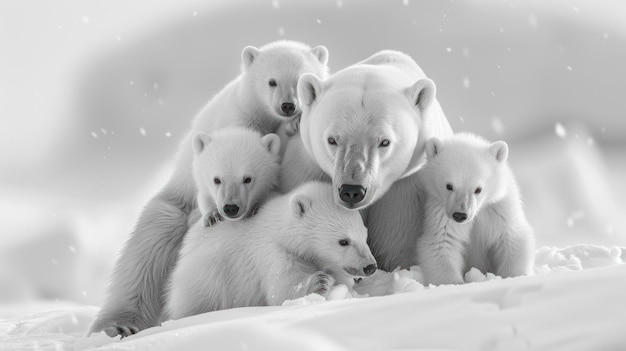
x=263, y=98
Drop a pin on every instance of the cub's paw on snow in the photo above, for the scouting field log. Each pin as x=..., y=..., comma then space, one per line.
x=122, y=330
x=211, y=218
x=320, y=283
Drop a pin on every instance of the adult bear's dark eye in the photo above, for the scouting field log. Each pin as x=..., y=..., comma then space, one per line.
x=384, y=143
x=247, y=180
x=332, y=141
x=478, y=190
x=272, y=82
x=449, y=187
x=344, y=242
x=216, y=180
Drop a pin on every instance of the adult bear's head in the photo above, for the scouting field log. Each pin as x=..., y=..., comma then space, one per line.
x=366, y=126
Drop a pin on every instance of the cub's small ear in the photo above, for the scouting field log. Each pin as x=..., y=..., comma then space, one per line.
x=199, y=141
x=433, y=147
x=321, y=52
x=300, y=204
x=422, y=93
x=248, y=55
x=500, y=150
x=271, y=142
x=309, y=88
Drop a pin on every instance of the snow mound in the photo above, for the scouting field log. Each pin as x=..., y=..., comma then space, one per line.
x=544, y=311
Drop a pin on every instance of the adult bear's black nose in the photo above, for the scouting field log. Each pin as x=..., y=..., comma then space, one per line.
x=288, y=108
x=231, y=210
x=370, y=269
x=459, y=216
x=351, y=193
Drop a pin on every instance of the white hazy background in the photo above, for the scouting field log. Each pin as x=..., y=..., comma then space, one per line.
x=95, y=96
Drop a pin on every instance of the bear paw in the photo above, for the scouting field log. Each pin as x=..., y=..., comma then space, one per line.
x=211, y=218
x=320, y=283
x=293, y=127
x=121, y=330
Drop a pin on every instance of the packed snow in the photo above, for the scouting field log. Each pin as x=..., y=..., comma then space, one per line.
x=574, y=301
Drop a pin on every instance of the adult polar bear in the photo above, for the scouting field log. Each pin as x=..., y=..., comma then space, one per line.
x=366, y=127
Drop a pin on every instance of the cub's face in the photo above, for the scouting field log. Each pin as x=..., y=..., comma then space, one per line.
x=364, y=134
x=274, y=72
x=236, y=170
x=463, y=176
x=337, y=238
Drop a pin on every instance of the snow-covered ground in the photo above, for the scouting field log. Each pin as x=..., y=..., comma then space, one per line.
x=573, y=302
x=94, y=97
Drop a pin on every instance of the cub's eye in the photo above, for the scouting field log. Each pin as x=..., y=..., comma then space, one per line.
x=344, y=242
x=247, y=180
x=272, y=82
x=449, y=187
x=216, y=180
x=384, y=143
x=478, y=190
x=332, y=141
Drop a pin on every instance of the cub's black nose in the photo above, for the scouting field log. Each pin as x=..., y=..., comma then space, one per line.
x=288, y=108
x=231, y=210
x=351, y=193
x=459, y=216
x=370, y=269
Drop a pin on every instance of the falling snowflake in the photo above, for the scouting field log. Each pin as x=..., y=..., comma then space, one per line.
x=569, y=68
x=155, y=86
x=590, y=141
x=532, y=21
x=449, y=49
x=465, y=52
x=560, y=130
x=54, y=262
x=168, y=134
x=575, y=9
x=281, y=31
x=72, y=248
x=118, y=38
x=339, y=3
x=132, y=83
x=461, y=119
x=275, y=4
x=496, y=124
x=142, y=131
x=195, y=13
x=104, y=131
x=466, y=82
x=319, y=21
x=405, y=2
x=605, y=35
x=86, y=19
x=93, y=134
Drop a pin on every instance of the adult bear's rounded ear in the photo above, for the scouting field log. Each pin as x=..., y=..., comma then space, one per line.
x=199, y=141
x=309, y=88
x=422, y=93
x=321, y=52
x=271, y=142
x=248, y=55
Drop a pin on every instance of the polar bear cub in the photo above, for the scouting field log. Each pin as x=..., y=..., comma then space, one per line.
x=297, y=244
x=235, y=169
x=473, y=214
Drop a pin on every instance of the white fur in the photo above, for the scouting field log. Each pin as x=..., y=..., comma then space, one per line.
x=135, y=295
x=385, y=97
x=289, y=249
x=246, y=165
x=468, y=175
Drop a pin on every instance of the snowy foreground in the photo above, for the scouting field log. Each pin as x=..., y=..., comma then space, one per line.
x=575, y=301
